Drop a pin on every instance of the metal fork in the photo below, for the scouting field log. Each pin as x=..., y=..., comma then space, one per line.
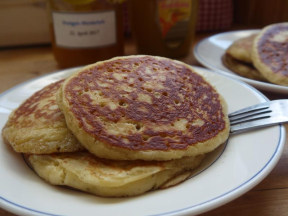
x=260, y=115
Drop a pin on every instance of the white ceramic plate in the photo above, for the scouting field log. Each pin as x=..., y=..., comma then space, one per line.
x=210, y=50
x=241, y=164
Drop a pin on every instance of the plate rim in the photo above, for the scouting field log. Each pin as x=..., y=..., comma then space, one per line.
x=232, y=193
x=257, y=84
x=225, y=197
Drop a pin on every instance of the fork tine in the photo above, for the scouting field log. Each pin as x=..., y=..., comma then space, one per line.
x=249, y=114
x=250, y=118
x=257, y=107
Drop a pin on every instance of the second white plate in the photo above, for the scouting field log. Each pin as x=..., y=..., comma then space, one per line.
x=210, y=50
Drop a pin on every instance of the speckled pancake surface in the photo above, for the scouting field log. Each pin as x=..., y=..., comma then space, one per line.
x=111, y=178
x=143, y=107
x=38, y=126
x=242, y=68
x=270, y=51
x=241, y=49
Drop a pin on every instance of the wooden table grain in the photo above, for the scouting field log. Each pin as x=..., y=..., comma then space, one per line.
x=268, y=198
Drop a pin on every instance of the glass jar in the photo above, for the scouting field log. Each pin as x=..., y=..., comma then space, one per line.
x=85, y=31
x=164, y=27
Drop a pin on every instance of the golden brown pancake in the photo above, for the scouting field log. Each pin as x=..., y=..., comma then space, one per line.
x=38, y=126
x=143, y=107
x=241, y=49
x=111, y=178
x=242, y=68
x=270, y=51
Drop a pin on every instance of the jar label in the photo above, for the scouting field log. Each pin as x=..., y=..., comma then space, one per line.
x=174, y=20
x=84, y=30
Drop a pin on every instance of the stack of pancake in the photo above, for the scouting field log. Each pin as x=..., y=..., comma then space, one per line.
x=261, y=56
x=120, y=127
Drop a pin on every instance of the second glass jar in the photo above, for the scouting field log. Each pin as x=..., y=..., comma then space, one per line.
x=164, y=27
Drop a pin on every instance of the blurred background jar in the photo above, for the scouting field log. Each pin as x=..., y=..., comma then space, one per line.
x=163, y=27
x=85, y=31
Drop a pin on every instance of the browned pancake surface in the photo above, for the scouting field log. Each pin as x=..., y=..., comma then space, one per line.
x=274, y=52
x=46, y=113
x=270, y=53
x=169, y=106
x=38, y=125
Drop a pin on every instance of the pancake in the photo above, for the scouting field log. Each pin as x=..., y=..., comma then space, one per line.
x=111, y=178
x=242, y=68
x=143, y=107
x=241, y=49
x=38, y=127
x=269, y=53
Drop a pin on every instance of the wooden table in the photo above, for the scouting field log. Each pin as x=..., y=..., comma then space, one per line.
x=268, y=198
